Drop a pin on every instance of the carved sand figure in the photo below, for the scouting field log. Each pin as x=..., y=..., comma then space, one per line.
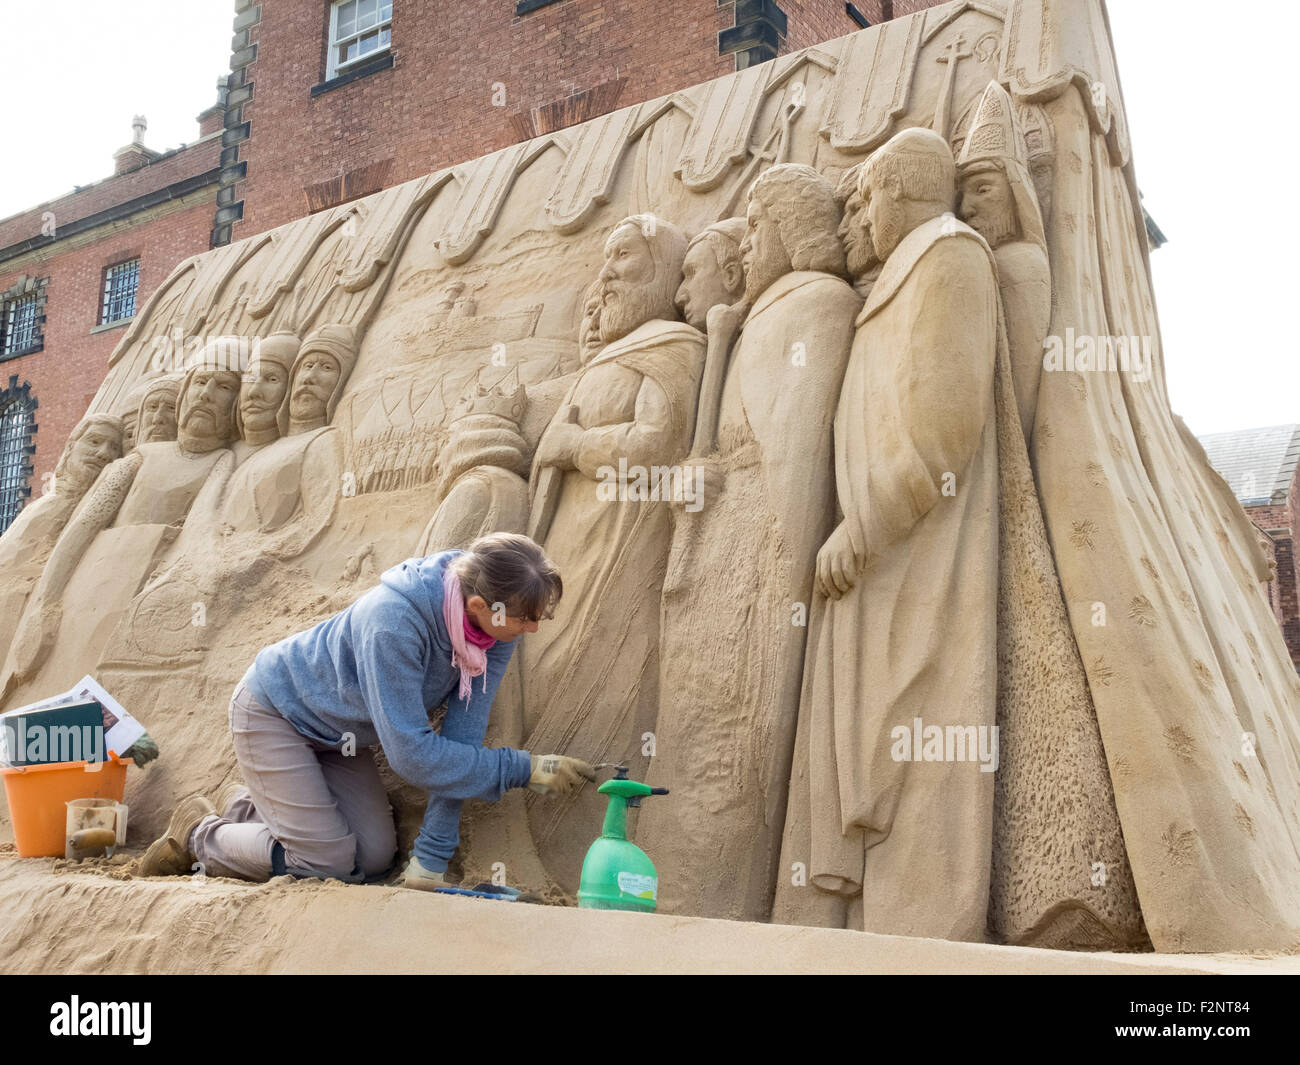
x=1060, y=871
x=712, y=273
x=1053, y=813
x=479, y=478
x=997, y=199
x=263, y=392
x=713, y=276
x=156, y=419
x=590, y=679
x=855, y=234
x=908, y=843
x=740, y=574
x=278, y=500
x=26, y=544
x=134, y=510
x=286, y=492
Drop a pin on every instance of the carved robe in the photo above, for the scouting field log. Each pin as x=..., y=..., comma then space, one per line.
x=274, y=506
x=735, y=605
x=24, y=548
x=916, y=635
x=144, y=499
x=590, y=674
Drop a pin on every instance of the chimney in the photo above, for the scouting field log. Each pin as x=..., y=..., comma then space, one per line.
x=213, y=119
x=135, y=154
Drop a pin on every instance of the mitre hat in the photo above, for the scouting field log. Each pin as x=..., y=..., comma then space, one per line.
x=995, y=139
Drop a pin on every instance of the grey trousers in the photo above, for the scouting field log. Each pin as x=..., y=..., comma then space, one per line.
x=327, y=810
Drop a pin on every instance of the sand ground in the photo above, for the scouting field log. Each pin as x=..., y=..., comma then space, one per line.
x=64, y=918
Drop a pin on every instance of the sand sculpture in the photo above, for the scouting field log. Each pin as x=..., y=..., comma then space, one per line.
x=26, y=545
x=828, y=298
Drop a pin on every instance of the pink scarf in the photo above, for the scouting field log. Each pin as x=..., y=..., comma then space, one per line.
x=468, y=642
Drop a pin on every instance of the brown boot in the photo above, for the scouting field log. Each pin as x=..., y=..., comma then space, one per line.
x=169, y=855
x=227, y=794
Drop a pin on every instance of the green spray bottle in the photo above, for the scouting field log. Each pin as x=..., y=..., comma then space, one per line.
x=617, y=874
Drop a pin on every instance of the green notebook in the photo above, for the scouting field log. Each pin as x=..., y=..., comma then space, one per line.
x=70, y=733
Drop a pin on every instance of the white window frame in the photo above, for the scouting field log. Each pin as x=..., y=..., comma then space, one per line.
x=333, y=68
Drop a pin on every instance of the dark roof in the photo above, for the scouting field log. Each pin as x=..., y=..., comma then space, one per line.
x=1258, y=464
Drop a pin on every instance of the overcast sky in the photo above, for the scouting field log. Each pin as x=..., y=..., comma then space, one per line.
x=1205, y=98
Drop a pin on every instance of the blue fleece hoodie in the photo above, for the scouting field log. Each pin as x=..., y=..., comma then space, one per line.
x=371, y=671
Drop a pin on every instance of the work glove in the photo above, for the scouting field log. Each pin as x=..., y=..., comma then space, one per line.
x=144, y=750
x=558, y=774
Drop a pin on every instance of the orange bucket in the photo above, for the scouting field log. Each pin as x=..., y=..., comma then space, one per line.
x=38, y=795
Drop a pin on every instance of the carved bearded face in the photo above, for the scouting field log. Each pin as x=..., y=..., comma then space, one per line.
x=886, y=218
x=855, y=235
x=261, y=394
x=313, y=385
x=705, y=284
x=128, y=431
x=206, y=409
x=987, y=205
x=589, y=331
x=762, y=253
x=626, y=283
x=94, y=449
x=158, y=421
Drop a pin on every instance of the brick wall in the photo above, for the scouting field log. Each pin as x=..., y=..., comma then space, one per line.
x=1279, y=521
x=166, y=170
x=67, y=372
x=464, y=81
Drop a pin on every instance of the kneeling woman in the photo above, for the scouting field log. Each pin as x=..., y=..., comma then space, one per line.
x=311, y=705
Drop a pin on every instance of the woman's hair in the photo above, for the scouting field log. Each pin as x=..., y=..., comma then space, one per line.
x=510, y=568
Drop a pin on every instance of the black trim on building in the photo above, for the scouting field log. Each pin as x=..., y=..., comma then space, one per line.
x=114, y=214
x=361, y=70
x=759, y=30
x=525, y=6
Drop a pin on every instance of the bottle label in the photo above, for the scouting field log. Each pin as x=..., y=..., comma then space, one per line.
x=639, y=885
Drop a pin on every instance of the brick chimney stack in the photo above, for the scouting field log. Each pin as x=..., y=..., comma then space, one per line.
x=213, y=118
x=135, y=154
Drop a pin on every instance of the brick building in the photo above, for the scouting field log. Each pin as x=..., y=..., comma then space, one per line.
x=72, y=272
x=1262, y=467
x=333, y=101
x=328, y=101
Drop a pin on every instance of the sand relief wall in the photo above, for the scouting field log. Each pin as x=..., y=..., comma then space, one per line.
x=761, y=365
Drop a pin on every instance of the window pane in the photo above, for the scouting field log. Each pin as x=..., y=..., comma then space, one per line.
x=22, y=325
x=385, y=36
x=15, y=421
x=348, y=51
x=386, y=10
x=369, y=43
x=367, y=13
x=120, y=285
x=347, y=19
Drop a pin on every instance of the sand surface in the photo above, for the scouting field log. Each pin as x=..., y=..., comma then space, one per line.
x=60, y=918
